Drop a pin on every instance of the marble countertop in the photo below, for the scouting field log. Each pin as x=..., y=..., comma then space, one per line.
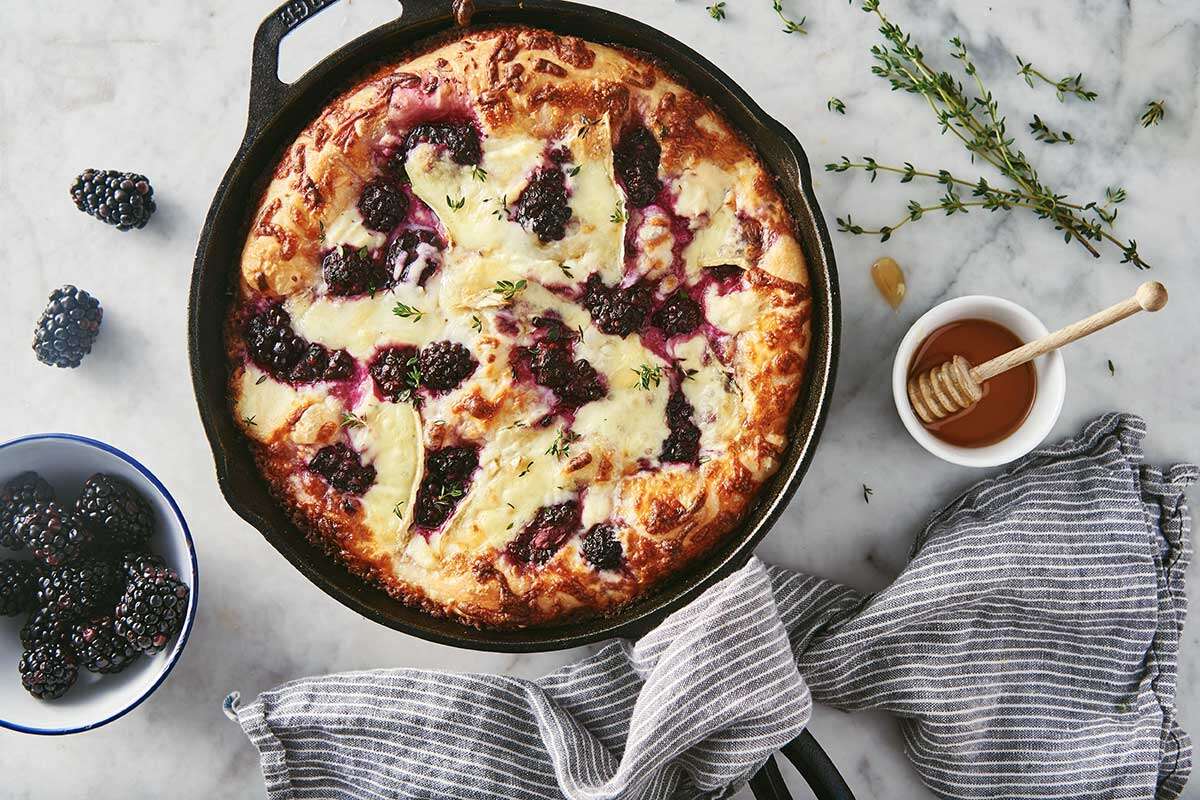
x=161, y=88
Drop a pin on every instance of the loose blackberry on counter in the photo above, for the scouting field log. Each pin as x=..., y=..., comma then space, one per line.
x=48, y=671
x=98, y=648
x=15, y=499
x=54, y=535
x=117, y=515
x=17, y=586
x=67, y=328
x=87, y=586
x=122, y=199
x=152, y=610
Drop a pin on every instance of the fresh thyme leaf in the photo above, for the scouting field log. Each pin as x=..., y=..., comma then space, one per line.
x=508, y=527
x=867, y=492
x=1072, y=84
x=250, y=421
x=573, y=171
x=716, y=11
x=1155, y=111
x=398, y=510
x=789, y=26
x=261, y=378
x=1043, y=133
x=648, y=375
x=407, y=312
x=509, y=289
x=352, y=420
x=1112, y=370
x=455, y=205
x=561, y=446
x=836, y=105
x=975, y=119
x=510, y=505
x=566, y=270
x=618, y=215
x=479, y=173
x=501, y=213
x=476, y=324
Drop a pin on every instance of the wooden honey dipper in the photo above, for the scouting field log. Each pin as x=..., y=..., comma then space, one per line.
x=956, y=385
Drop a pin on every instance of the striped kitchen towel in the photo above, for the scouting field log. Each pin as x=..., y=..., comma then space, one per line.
x=1028, y=650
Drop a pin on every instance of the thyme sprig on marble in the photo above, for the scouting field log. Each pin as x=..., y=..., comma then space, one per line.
x=1044, y=133
x=973, y=116
x=1155, y=111
x=789, y=25
x=1071, y=84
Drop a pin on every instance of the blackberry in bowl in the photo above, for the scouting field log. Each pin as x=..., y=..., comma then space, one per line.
x=65, y=663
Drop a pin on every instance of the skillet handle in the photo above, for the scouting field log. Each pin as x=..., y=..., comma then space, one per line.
x=267, y=92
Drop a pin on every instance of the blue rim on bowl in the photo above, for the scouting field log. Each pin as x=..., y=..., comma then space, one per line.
x=193, y=583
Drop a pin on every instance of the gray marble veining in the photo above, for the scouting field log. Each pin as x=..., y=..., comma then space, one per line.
x=161, y=88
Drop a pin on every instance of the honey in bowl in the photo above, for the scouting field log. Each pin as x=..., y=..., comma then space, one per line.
x=1007, y=398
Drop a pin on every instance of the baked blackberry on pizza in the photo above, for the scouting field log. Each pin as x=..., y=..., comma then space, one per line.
x=519, y=325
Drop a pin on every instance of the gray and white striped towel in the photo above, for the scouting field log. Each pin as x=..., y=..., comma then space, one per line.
x=1028, y=650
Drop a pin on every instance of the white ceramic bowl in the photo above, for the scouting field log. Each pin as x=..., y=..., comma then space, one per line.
x=66, y=461
x=1051, y=381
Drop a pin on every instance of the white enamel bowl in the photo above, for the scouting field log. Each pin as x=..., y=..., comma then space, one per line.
x=66, y=461
x=1051, y=381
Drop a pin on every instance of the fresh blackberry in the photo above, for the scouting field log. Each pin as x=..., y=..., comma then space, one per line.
x=393, y=369
x=135, y=564
x=98, y=648
x=679, y=315
x=414, y=245
x=322, y=364
x=583, y=385
x=18, y=580
x=284, y=355
x=47, y=626
x=341, y=466
x=151, y=611
x=123, y=199
x=350, y=271
x=545, y=533
x=550, y=365
x=635, y=159
x=683, y=442
x=601, y=548
x=118, y=516
x=80, y=588
x=542, y=205
x=618, y=311
x=67, y=328
x=54, y=536
x=48, y=671
x=444, y=365
x=433, y=504
x=453, y=464
x=461, y=140
x=382, y=205
x=15, y=499
x=270, y=340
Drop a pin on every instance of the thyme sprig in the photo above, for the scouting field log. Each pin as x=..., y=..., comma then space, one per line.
x=1155, y=111
x=716, y=11
x=836, y=105
x=648, y=375
x=789, y=25
x=561, y=446
x=509, y=290
x=977, y=122
x=1044, y=133
x=1071, y=84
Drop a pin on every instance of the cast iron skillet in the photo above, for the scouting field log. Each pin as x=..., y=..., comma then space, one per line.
x=279, y=111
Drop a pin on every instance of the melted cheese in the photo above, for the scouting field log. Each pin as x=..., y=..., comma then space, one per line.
x=702, y=189
x=718, y=408
x=734, y=312
x=348, y=228
x=719, y=241
x=391, y=442
x=269, y=404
